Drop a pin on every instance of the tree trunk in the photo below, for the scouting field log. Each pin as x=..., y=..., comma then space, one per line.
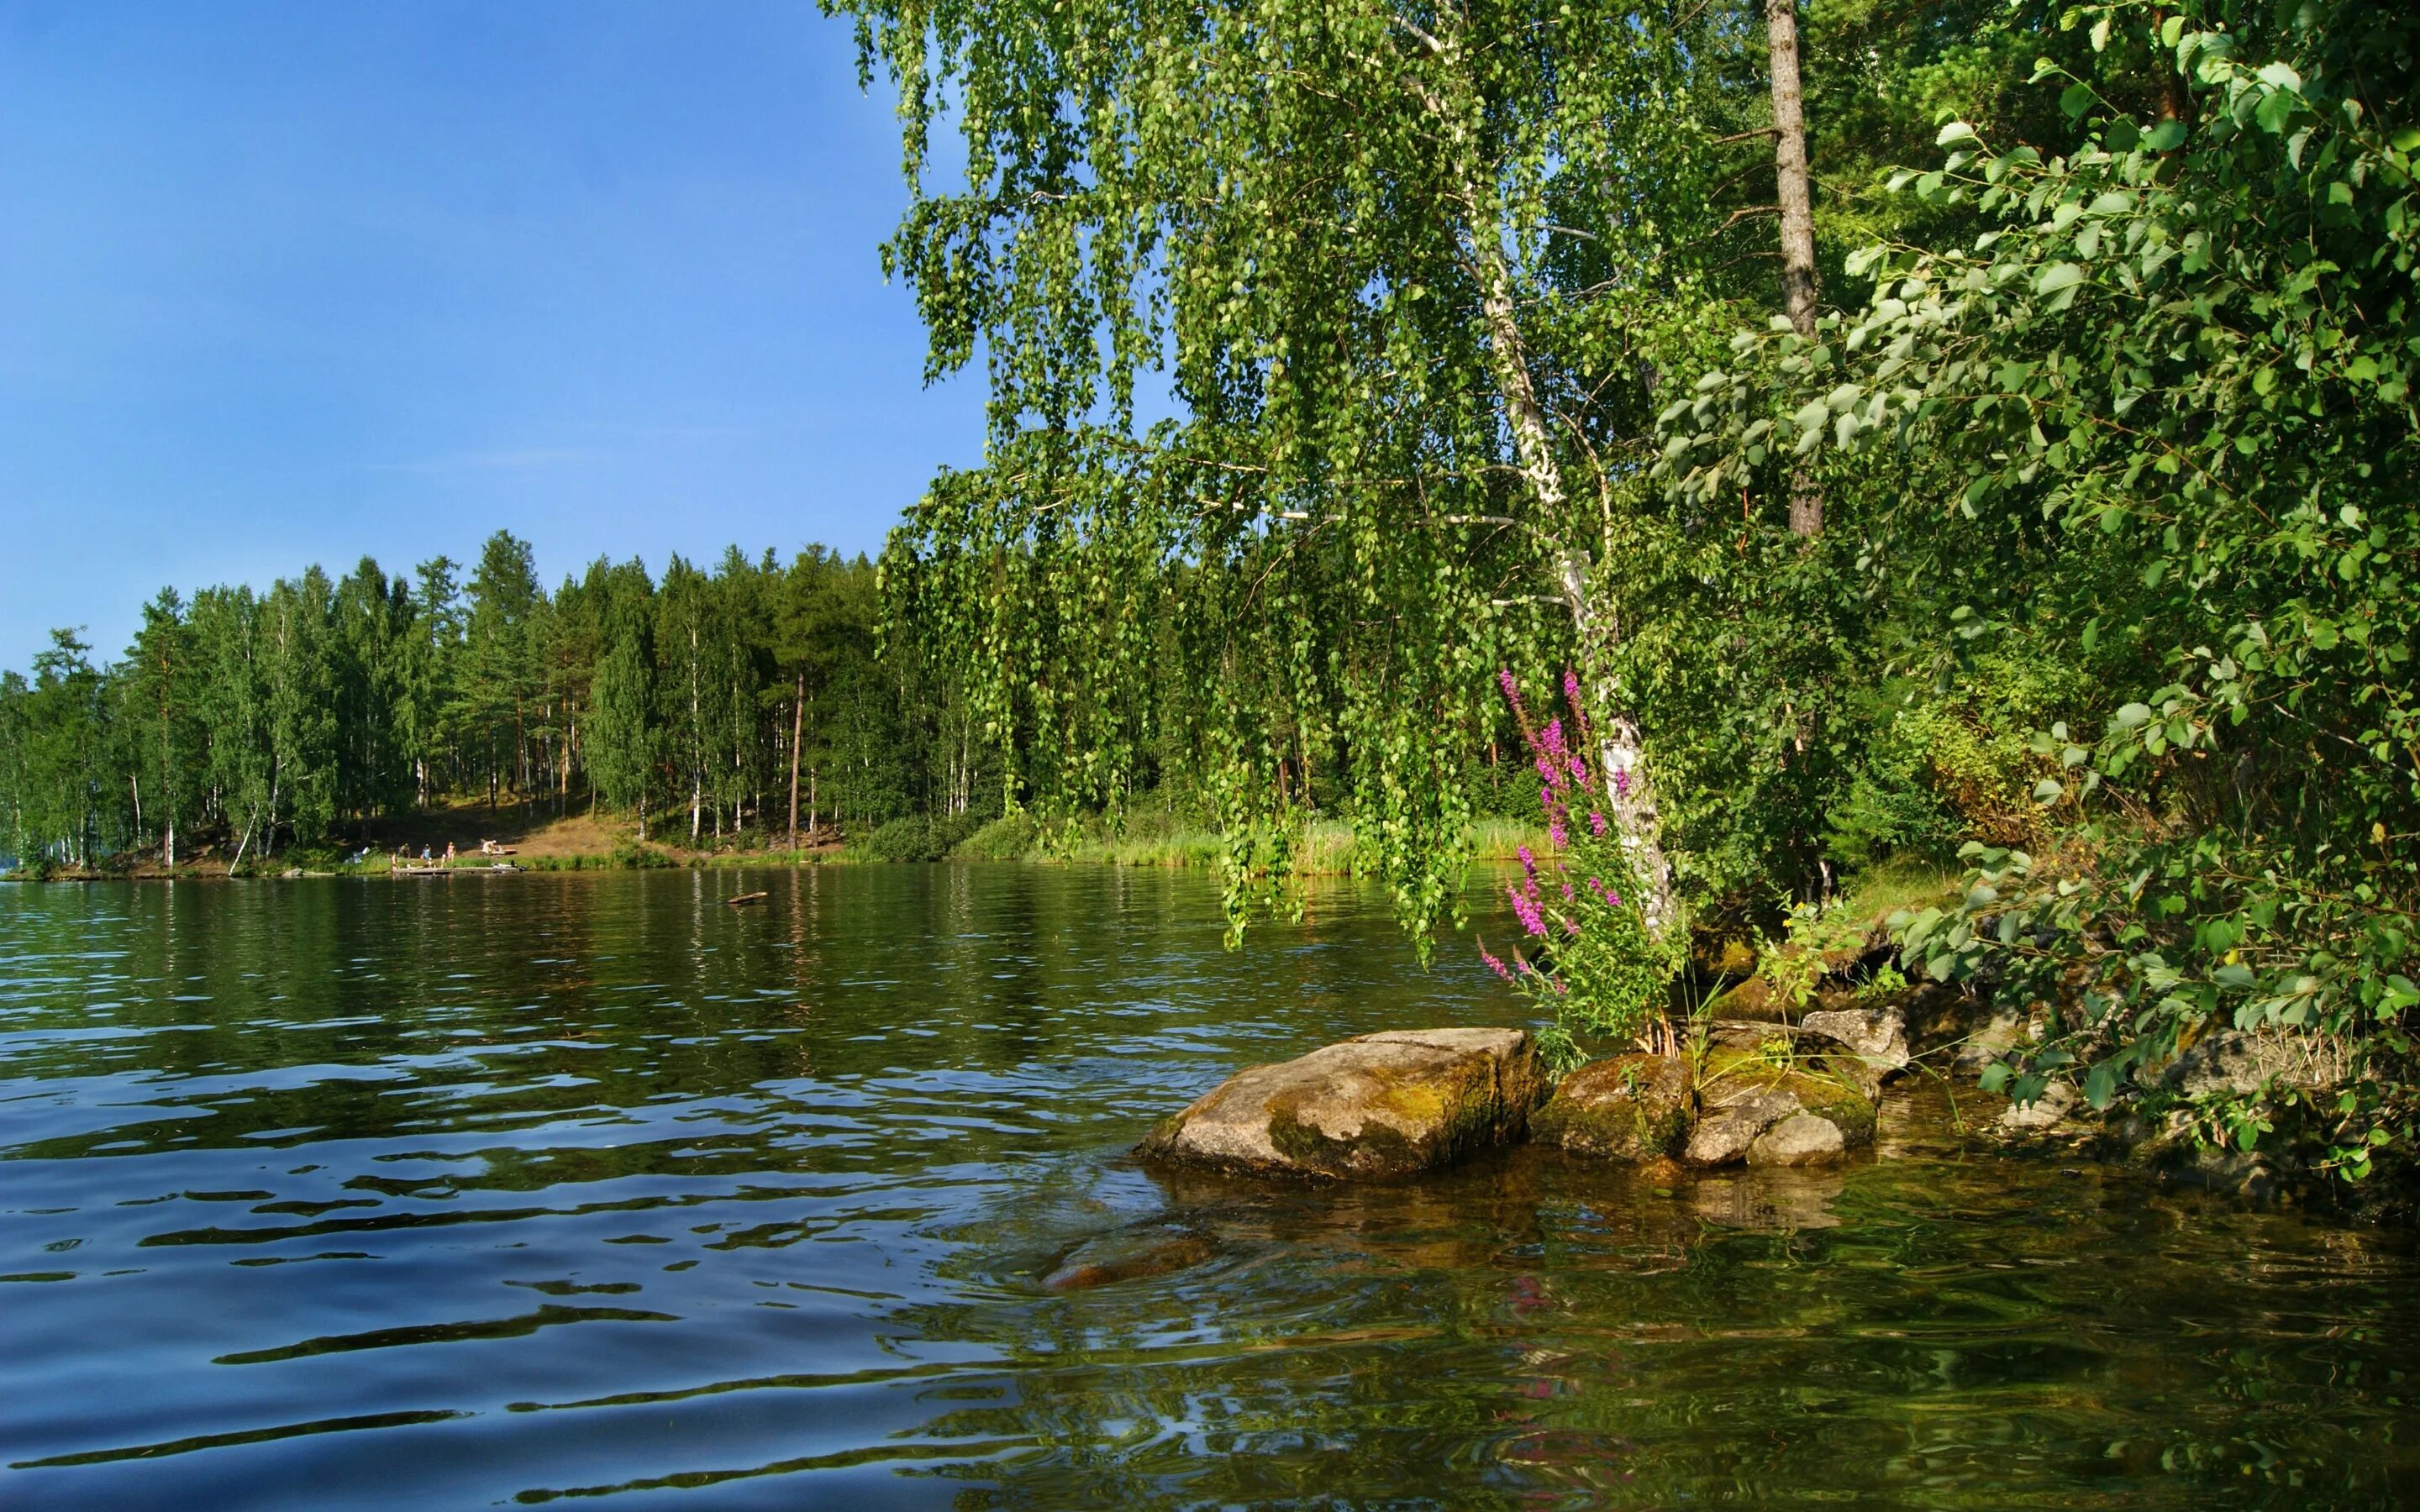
x=797, y=727
x=1621, y=755
x=1797, y=202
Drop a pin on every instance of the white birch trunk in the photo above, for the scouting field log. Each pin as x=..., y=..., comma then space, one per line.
x=1621, y=756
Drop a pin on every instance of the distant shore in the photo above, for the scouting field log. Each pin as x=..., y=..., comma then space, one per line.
x=528, y=838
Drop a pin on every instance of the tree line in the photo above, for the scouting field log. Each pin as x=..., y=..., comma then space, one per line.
x=750, y=703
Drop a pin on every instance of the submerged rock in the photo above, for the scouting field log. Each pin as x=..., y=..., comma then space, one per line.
x=1630, y=1108
x=1129, y=1255
x=1375, y=1108
x=1800, y=1140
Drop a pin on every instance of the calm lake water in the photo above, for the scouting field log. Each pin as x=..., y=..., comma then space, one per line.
x=357, y=1193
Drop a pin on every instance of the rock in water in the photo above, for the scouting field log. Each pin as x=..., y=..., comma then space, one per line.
x=1134, y=1254
x=1376, y=1108
x=1800, y=1140
x=1741, y=1096
x=1726, y=1132
x=1630, y=1108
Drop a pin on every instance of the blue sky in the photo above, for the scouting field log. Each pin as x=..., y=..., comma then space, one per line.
x=292, y=283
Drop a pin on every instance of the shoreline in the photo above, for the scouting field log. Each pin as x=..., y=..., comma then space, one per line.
x=1324, y=849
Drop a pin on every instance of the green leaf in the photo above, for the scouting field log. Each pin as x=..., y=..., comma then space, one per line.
x=2058, y=276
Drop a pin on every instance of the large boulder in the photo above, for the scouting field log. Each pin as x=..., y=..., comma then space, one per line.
x=1376, y=1108
x=1631, y=1108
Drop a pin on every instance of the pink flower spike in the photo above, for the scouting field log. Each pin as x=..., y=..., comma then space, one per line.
x=1556, y=832
x=1621, y=782
x=1571, y=928
x=1527, y=909
x=1494, y=964
x=1596, y=823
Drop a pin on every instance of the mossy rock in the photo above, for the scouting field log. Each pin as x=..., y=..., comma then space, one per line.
x=1376, y=1108
x=1743, y=1092
x=1635, y=1108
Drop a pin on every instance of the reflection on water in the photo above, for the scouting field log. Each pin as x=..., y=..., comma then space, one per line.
x=525, y=1188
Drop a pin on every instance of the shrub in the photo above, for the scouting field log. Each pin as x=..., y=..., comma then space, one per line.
x=1009, y=838
x=631, y=855
x=907, y=838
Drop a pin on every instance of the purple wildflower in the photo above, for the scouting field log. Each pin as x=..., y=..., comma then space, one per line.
x=1526, y=908
x=1621, y=781
x=1529, y=866
x=1556, y=832
x=1571, y=927
x=1596, y=823
x=1494, y=964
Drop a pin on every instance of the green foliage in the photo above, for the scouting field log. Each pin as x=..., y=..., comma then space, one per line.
x=1009, y=838
x=910, y=838
x=2170, y=384
x=633, y=855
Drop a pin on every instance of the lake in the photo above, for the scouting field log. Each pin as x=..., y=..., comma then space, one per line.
x=515, y=1189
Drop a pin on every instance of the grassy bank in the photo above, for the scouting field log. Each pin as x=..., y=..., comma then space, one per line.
x=533, y=838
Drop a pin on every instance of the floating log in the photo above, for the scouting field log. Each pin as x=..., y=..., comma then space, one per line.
x=746, y=898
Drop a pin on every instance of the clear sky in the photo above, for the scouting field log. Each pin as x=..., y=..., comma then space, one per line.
x=294, y=282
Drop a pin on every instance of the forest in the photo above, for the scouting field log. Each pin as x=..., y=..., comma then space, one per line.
x=749, y=705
